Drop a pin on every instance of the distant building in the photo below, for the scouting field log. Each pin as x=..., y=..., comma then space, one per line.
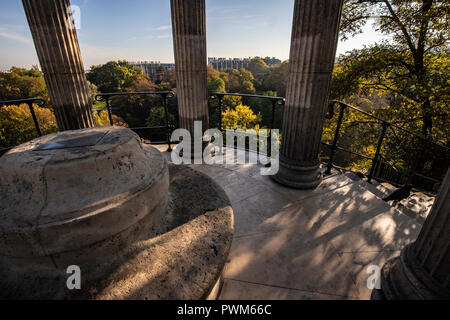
x=222, y=64
x=271, y=61
x=153, y=68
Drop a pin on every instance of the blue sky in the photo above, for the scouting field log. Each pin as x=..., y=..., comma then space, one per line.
x=141, y=30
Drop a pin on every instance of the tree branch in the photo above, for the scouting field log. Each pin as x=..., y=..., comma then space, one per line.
x=402, y=26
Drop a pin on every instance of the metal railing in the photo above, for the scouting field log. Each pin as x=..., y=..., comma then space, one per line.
x=275, y=101
x=165, y=95
x=30, y=102
x=381, y=169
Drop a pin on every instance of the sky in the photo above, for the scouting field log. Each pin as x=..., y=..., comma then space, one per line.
x=140, y=30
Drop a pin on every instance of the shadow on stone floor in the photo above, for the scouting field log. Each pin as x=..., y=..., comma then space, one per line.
x=301, y=244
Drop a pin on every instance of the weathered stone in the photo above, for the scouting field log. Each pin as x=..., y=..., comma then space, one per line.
x=313, y=48
x=55, y=200
x=181, y=257
x=189, y=40
x=56, y=42
x=422, y=270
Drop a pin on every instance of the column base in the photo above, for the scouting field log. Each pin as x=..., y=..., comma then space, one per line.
x=298, y=174
x=403, y=278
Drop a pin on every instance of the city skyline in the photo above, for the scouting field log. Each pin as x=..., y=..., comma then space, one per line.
x=141, y=31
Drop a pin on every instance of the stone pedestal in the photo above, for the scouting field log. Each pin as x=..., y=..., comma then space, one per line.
x=423, y=269
x=313, y=48
x=101, y=200
x=75, y=198
x=189, y=39
x=56, y=43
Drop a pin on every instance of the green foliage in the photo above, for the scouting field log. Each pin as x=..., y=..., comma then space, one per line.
x=164, y=86
x=259, y=69
x=240, y=81
x=402, y=79
x=21, y=83
x=157, y=117
x=412, y=65
x=215, y=84
x=115, y=76
x=169, y=76
x=276, y=79
x=101, y=119
x=93, y=91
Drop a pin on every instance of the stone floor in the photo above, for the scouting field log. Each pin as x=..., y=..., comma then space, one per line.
x=297, y=244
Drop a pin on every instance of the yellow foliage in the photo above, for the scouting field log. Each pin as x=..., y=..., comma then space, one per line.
x=102, y=119
x=17, y=126
x=242, y=117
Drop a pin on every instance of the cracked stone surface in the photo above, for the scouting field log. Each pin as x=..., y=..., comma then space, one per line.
x=161, y=239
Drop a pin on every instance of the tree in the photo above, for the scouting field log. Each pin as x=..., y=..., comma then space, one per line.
x=115, y=76
x=412, y=64
x=21, y=83
x=169, y=76
x=93, y=91
x=240, y=81
x=242, y=117
x=215, y=82
x=135, y=109
x=17, y=126
x=258, y=67
x=276, y=79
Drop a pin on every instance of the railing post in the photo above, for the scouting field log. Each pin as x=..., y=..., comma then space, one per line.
x=375, y=159
x=220, y=97
x=336, y=136
x=166, y=113
x=108, y=107
x=272, y=124
x=33, y=115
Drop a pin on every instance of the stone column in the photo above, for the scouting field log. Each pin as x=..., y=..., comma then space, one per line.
x=189, y=39
x=313, y=48
x=423, y=269
x=56, y=43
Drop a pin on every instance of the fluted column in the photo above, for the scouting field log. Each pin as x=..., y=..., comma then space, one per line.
x=189, y=39
x=313, y=48
x=56, y=43
x=423, y=269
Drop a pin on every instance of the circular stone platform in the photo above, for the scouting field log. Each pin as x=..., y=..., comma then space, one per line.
x=97, y=199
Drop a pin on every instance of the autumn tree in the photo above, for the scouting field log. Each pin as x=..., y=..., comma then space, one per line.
x=241, y=117
x=241, y=81
x=411, y=64
x=259, y=68
x=276, y=79
x=215, y=81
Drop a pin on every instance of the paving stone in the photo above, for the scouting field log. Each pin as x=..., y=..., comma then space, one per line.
x=239, y=290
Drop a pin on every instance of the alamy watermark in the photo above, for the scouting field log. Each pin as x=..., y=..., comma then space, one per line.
x=74, y=17
x=374, y=280
x=74, y=279
x=262, y=146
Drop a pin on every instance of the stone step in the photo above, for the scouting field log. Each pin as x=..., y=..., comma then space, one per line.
x=416, y=206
